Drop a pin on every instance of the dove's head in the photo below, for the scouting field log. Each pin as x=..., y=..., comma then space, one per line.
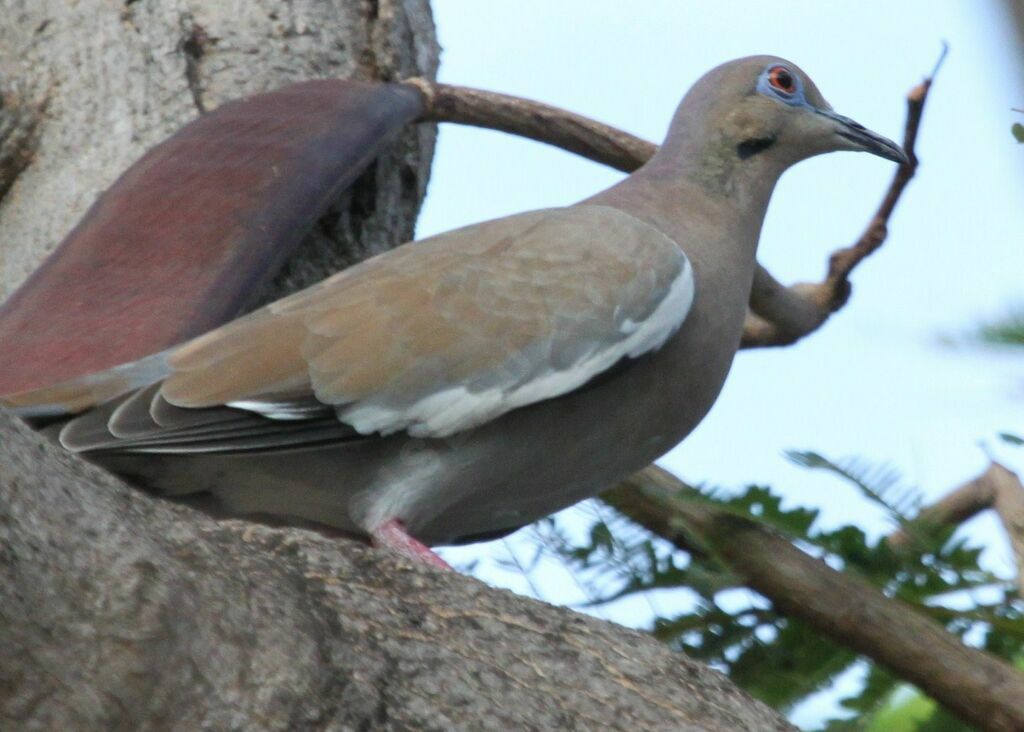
x=763, y=113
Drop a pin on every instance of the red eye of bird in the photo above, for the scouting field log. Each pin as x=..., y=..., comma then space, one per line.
x=781, y=78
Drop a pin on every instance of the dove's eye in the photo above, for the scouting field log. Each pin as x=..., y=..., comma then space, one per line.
x=781, y=79
x=782, y=83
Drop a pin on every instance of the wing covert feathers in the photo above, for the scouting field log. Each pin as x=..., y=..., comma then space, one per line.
x=433, y=338
x=446, y=333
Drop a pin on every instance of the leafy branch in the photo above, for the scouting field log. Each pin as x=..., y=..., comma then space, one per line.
x=807, y=623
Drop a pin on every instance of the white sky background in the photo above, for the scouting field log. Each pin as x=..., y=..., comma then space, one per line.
x=876, y=381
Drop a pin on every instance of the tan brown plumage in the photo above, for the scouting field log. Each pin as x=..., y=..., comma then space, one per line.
x=488, y=307
x=475, y=381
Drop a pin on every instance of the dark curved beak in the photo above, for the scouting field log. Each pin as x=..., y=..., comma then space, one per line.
x=864, y=139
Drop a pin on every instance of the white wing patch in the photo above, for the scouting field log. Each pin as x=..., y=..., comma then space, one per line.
x=457, y=408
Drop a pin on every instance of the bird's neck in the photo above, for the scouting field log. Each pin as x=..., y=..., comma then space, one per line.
x=714, y=217
x=702, y=196
x=711, y=164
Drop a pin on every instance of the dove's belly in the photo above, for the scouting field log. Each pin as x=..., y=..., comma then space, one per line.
x=538, y=460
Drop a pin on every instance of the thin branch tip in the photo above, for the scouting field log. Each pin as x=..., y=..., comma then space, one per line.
x=938, y=63
x=1000, y=467
x=918, y=93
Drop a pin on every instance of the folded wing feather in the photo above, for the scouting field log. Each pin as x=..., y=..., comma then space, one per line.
x=440, y=335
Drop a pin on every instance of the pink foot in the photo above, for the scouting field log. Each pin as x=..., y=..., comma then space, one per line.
x=393, y=535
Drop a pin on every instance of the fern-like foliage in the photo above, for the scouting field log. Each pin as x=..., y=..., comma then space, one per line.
x=1006, y=331
x=775, y=658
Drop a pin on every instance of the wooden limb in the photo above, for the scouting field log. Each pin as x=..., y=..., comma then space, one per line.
x=956, y=507
x=997, y=488
x=633, y=499
x=537, y=121
x=779, y=315
x=976, y=686
x=1009, y=506
x=777, y=309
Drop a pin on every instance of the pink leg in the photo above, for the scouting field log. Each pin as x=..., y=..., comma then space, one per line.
x=392, y=535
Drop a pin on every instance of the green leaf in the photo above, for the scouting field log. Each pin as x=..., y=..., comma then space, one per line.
x=908, y=710
x=1018, y=131
x=776, y=658
x=757, y=503
x=1011, y=439
x=878, y=689
x=879, y=484
x=797, y=663
x=1007, y=331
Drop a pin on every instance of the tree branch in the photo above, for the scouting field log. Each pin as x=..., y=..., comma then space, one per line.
x=997, y=488
x=972, y=684
x=779, y=315
x=789, y=312
x=534, y=120
x=1009, y=506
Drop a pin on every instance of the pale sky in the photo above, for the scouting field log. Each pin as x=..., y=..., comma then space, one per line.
x=877, y=381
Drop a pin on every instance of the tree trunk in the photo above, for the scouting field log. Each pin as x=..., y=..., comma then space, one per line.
x=107, y=80
x=119, y=611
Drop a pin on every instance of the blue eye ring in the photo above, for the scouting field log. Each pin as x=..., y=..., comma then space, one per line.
x=780, y=82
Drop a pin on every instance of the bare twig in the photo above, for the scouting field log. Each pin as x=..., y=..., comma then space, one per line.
x=1009, y=506
x=779, y=315
x=537, y=121
x=997, y=488
x=790, y=313
x=971, y=683
x=843, y=261
x=956, y=507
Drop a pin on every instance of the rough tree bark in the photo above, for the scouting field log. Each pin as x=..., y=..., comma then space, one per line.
x=119, y=611
x=122, y=612
x=108, y=80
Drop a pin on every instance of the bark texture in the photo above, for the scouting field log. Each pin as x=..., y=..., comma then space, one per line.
x=107, y=80
x=118, y=611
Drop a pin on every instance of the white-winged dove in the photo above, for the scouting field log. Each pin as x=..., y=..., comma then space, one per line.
x=462, y=386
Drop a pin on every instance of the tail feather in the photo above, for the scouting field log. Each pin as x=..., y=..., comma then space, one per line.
x=132, y=418
x=90, y=430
